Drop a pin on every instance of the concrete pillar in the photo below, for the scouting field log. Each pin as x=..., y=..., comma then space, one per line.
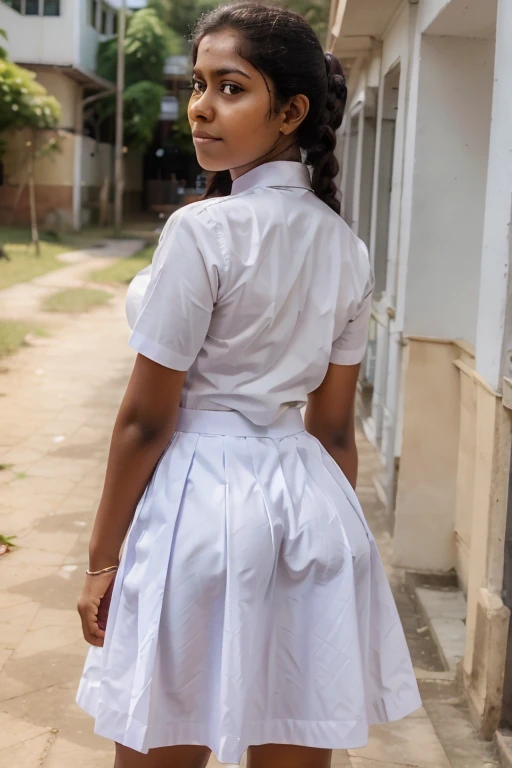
x=496, y=243
x=487, y=622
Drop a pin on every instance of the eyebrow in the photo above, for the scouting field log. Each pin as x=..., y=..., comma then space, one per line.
x=228, y=71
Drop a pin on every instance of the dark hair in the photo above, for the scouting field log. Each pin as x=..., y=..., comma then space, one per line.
x=281, y=45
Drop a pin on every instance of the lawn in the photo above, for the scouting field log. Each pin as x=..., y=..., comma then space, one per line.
x=24, y=264
x=124, y=270
x=13, y=334
x=76, y=300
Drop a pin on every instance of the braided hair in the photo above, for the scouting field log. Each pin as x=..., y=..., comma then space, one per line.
x=282, y=46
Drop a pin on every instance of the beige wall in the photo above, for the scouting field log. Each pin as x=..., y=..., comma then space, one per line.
x=54, y=176
x=466, y=464
x=66, y=91
x=487, y=620
x=57, y=169
x=426, y=495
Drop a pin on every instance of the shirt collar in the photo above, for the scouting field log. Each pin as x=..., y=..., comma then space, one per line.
x=281, y=173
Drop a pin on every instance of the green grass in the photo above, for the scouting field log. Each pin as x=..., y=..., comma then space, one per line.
x=124, y=270
x=76, y=300
x=13, y=334
x=24, y=264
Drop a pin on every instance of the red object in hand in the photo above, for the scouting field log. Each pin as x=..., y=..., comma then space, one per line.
x=104, y=606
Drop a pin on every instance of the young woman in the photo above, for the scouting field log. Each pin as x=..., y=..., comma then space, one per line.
x=250, y=607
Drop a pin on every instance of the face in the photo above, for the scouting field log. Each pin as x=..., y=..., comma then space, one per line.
x=232, y=110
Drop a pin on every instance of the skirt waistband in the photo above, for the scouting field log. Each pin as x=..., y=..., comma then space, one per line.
x=234, y=424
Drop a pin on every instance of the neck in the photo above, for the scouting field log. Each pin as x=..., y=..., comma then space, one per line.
x=291, y=152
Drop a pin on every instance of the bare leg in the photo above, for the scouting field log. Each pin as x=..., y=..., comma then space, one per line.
x=286, y=756
x=165, y=757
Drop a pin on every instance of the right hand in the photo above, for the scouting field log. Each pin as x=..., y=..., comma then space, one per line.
x=88, y=605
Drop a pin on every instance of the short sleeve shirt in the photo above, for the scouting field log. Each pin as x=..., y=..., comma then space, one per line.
x=254, y=295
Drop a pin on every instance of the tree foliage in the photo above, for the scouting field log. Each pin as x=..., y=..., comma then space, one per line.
x=146, y=48
x=147, y=44
x=181, y=15
x=24, y=103
x=26, y=106
x=316, y=13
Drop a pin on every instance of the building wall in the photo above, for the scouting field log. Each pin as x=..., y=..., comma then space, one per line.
x=89, y=37
x=39, y=39
x=426, y=498
x=66, y=91
x=53, y=177
x=451, y=156
x=98, y=163
x=68, y=39
x=449, y=291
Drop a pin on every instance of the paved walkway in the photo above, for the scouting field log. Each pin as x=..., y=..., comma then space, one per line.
x=23, y=300
x=58, y=400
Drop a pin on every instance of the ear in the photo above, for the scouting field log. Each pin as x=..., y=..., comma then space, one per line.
x=294, y=114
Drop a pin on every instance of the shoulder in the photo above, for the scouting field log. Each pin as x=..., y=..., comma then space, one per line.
x=193, y=226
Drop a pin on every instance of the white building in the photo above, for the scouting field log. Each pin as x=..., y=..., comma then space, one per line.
x=427, y=183
x=58, y=40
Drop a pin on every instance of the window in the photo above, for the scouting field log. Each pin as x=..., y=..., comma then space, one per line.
x=114, y=25
x=14, y=4
x=103, y=22
x=35, y=7
x=51, y=8
x=93, y=8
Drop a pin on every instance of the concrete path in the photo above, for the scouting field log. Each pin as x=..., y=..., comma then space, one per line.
x=58, y=401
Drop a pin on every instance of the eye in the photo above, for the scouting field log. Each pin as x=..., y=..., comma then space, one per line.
x=229, y=89
x=197, y=87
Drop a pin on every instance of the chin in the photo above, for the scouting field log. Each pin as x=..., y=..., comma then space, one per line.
x=210, y=164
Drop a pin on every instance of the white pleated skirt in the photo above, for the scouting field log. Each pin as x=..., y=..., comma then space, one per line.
x=251, y=605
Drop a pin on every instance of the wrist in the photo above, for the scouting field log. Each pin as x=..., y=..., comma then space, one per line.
x=100, y=558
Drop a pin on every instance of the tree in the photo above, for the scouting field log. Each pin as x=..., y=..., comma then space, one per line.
x=147, y=44
x=181, y=15
x=26, y=105
x=316, y=13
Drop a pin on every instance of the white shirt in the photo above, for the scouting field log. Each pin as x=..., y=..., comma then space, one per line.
x=254, y=294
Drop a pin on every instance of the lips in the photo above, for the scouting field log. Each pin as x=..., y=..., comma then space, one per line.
x=202, y=137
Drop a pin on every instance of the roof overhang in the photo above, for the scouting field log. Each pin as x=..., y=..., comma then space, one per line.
x=356, y=25
x=88, y=79
x=131, y=5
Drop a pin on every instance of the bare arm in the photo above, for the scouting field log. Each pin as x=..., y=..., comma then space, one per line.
x=145, y=423
x=330, y=417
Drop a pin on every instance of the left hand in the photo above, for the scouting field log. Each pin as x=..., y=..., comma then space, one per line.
x=88, y=605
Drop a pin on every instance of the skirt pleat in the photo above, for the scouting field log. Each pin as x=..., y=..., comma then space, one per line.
x=251, y=605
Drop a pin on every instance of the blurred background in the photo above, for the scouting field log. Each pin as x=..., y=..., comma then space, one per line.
x=66, y=57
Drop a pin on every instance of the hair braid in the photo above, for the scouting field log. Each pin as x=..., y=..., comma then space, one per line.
x=320, y=155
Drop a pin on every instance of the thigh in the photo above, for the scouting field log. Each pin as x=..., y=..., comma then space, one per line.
x=287, y=756
x=164, y=757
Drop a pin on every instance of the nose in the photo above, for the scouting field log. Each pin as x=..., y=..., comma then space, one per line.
x=201, y=109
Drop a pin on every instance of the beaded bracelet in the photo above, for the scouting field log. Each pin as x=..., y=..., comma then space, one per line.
x=110, y=569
